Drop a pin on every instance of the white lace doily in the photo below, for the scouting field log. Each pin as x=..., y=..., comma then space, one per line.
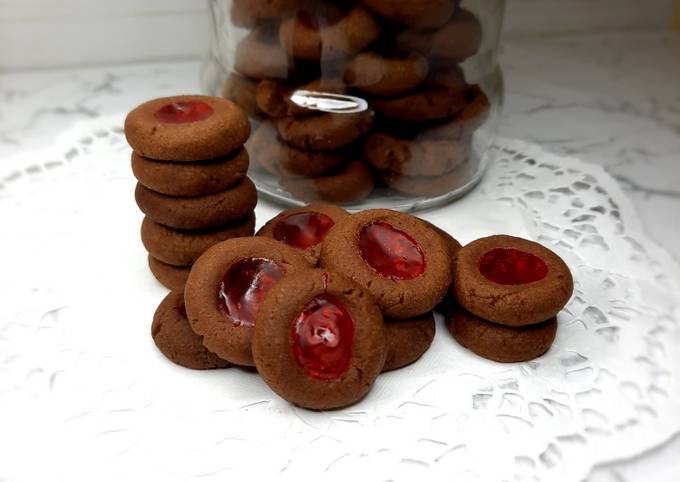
x=84, y=394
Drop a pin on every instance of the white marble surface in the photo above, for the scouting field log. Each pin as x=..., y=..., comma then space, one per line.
x=611, y=99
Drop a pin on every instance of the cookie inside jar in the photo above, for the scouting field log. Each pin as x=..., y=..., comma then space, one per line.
x=397, y=99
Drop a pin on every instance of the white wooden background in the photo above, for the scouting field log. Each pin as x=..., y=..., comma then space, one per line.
x=53, y=33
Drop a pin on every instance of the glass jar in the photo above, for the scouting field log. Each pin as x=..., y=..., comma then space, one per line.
x=363, y=103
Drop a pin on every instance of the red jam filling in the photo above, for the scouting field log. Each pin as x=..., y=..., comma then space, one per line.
x=320, y=17
x=508, y=266
x=244, y=286
x=323, y=338
x=390, y=252
x=303, y=230
x=184, y=112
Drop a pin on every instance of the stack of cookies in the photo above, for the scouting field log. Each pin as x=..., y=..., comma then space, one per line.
x=507, y=293
x=191, y=167
x=409, y=325
x=322, y=301
x=314, y=154
x=318, y=316
x=353, y=94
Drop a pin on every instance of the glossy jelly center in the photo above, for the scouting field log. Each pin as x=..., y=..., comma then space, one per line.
x=390, y=252
x=508, y=266
x=303, y=230
x=244, y=286
x=184, y=112
x=323, y=338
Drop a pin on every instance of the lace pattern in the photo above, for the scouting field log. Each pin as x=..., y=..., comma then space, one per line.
x=85, y=393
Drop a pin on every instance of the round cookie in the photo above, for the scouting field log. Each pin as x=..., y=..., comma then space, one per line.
x=441, y=96
x=186, y=128
x=226, y=287
x=401, y=261
x=260, y=56
x=385, y=76
x=425, y=104
x=172, y=277
x=408, y=340
x=319, y=340
x=451, y=77
x=325, y=132
x=453, y=247
x=511, y=281
x=500, y=343
x=305, y=163
x=414, y=157
x=304, y=228
x=437, y=130
x=451, y=243
x=241, y=91
x=274, y=97
x=183, y=248
x=456, y=41
x=198, y=212
x=175, y=339
x=424, y=14
x=476, y=111
x=255, y=10
x=328, y=31
x=427, y=185
x=351, y=184
x=283, y=160
x=191, y=179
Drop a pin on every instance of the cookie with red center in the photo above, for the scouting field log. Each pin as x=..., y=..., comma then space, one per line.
x=186, y=128
x=172, y=277
x=408, y=340
x=328, y=31
x=182, y=248
x=198, y=212
x=226, y=288
x=511, y=281
x=401, y=261
x=191, y=178
x=452, y=243
x=423, y=14
x=319, y=340
x=177, y=341
x=347, y=185
x=304, y=228
x=505, y=344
